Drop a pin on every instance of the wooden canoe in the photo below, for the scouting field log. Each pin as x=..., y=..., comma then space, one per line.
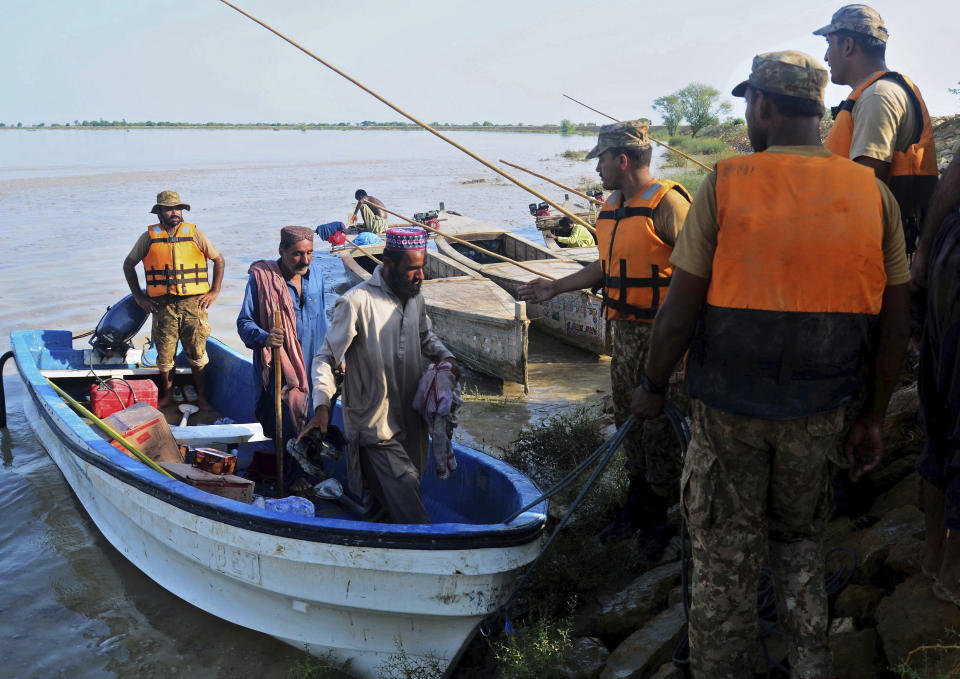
x=573, y=317
x=484, y=327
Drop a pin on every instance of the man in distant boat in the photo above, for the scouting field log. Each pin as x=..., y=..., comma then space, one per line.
x=292, y=287
x=374, y=219
x=174, y=255
x=381, y=331
x=570, y=235
x=636, y=230
x=785, y=305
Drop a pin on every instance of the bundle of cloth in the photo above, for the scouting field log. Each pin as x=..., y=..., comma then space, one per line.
x=437, y=400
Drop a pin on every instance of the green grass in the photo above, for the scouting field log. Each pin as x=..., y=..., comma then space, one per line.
x=533, y=651
x=935, y=661
x=570, y=154
x=320, y=667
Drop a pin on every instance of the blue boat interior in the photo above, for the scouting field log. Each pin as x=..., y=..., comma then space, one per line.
x=482, y=490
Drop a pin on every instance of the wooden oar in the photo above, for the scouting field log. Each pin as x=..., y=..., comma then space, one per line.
x=360, y=248
x=554, y=182
x=485, y=251
x=109, y=431
x=408, y=116
x=657, y=141
x=278, y=420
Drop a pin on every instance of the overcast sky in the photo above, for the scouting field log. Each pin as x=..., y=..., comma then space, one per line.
x=441, y=60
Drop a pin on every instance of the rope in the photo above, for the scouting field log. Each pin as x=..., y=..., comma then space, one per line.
x=666, y=146
x=408, y=116
x=605, y=452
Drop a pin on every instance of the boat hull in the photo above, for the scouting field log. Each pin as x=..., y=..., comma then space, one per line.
x=320, y=585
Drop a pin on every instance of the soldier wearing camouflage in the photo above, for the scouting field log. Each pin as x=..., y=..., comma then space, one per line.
x=769, y=305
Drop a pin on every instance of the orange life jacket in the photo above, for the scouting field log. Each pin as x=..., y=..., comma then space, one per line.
x=796, y=287
x=913, y=173
x=174, y=265
x=634, y=260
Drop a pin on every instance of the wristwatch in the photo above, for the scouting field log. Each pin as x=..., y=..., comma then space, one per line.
x=648, y=386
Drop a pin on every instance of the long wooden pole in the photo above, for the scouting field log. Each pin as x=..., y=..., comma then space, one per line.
x=408, y=116
x=360, y=248
x=484, y=250
x=277, y=401
x=657, y=141
x=554, y=182
x=109, y=431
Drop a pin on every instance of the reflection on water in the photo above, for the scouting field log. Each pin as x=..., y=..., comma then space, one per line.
x=72, y=203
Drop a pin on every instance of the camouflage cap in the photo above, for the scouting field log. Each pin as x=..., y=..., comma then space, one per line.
x=856, y=18
x=629, y=134
x=168, y=199
x=794, y=74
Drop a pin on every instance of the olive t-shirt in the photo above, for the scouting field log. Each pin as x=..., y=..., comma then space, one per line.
x=884, y=121
x=142, y=246
x=697, y=243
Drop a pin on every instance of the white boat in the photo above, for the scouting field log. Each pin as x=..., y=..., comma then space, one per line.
x=332, y=583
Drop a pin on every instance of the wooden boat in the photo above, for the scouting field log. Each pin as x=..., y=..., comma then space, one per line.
x=329, y=583
x=484, y=327
x=573, y=317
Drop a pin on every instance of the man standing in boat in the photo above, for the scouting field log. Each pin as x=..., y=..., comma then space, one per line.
x=381, y=331
x=374, y=219
x=636, y=230
x=785, y=304
x=174, y=255
x=292, y=286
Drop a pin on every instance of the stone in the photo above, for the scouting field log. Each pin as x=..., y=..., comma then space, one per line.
x=675, y=597
x=894, y=471
x=904, y=404
x=906, y=492
x=904, y=558
x=668, y=671
x=647, y=648
x=912, y=617
x=859, y=602
x=584, y=660
x=841, y=626
x=872, y=545
x=856, y=655
x=624, y=611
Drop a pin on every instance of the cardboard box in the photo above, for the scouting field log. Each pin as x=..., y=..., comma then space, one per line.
x=224, y=485
x=213, y=461
x=146, y=428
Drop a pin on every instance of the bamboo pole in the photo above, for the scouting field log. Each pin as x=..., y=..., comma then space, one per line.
x=554, y=182
x=278, y=402
x=410, y=117
x=107, y=429
x=484, y=250
x=666, y=146
x=360, y=248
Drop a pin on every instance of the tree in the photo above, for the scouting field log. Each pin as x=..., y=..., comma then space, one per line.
x=954, y=90
x=566, y=127
x=670, y=110
x=700, y=106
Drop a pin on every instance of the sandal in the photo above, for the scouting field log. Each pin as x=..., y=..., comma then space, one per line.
x=941, y=592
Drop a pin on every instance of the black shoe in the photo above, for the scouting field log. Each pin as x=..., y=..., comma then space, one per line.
x=631, y=516
x=653, y=541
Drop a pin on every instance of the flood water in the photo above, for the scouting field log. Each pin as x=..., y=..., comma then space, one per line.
x=72, y=203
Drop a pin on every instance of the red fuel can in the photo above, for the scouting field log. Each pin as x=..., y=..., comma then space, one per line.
x=120, y=394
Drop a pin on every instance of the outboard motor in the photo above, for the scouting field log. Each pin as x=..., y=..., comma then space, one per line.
x=118, y=326
x=543, y=210
x=431, y=218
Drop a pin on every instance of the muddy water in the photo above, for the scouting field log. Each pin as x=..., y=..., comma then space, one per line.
x=71, y=205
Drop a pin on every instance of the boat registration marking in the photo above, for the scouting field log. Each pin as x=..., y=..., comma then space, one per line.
x=238, y=563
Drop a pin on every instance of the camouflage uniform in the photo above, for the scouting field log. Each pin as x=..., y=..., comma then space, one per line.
x=652, y=449
x=180, y=319
x=747, y=483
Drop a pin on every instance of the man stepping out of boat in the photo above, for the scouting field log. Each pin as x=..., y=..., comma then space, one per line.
x=381, y=331
x=174, y=255
x=374, y=219
x=292, y=284
x=636, y=231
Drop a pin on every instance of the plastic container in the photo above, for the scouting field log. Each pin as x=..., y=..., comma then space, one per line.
x=290, y=505
x=119, y=394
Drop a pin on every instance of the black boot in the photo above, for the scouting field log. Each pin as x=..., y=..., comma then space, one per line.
x=655, y=530
x=632, y=514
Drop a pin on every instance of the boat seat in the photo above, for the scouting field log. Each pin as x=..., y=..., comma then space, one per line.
x=201, y=434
